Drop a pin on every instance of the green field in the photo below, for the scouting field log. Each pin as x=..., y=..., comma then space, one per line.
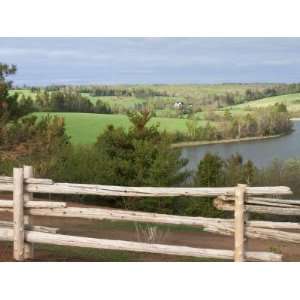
x=84, y=127
x=25, y=92
x=126, y=102
x=188, y=92
x=199, y=90
x=292, y=101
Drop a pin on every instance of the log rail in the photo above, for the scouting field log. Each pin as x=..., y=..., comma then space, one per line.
x=24, y=235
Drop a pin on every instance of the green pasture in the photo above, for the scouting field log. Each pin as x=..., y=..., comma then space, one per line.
x=180, y=91
x=25, y=92
x=195, y=90
x=126, y=102
x=292, y=101
x=84, y=127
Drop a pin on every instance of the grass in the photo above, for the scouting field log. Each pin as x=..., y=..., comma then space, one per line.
x=88, y=254
x=25, y=92
x=175, y=92
x=292, y=101
x=44, y=252
x=199, y=90
x=125, y=102
x=128, y=225
x=84, y=128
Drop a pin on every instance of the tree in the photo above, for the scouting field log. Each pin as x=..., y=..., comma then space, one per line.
x=249, y=172
x=140, y=157
x=8, y=103
x=42, y=143
x=192, y=127
x=280, y=107
x=10, y=108
x=140, y=119
x=227, y=115
x=210, y=171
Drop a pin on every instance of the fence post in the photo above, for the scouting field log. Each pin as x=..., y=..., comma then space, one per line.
x=239, y=223
x=28, y=248
x=18, y=213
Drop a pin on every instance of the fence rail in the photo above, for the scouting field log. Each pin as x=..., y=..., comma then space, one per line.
x=240, y=199
x=36, y=185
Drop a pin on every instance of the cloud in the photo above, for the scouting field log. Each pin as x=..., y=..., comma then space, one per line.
x=162, y=59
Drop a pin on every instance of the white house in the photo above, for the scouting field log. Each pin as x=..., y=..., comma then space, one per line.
x=178, y=105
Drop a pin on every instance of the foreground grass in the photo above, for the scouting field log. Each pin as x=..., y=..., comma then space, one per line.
x=44, y=252
x=128, y=225
x=84, y=128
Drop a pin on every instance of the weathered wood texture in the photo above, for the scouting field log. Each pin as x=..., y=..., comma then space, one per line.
x=268, y=203
x=273, y=225
x=31, y=179
x=28, y=197
x=239, y=223
x=18, y=214
x=23, y=202
x=115, y=214
x=213, y=225
x=37, y=185
x=34, y=204
x=265, y=201
x=104, y=190
x=287, y=211
x=6, y=183
x=30, y=227
x=65, y=240
x=276, y=200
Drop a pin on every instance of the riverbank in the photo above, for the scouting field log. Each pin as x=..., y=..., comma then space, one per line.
x=246, y=139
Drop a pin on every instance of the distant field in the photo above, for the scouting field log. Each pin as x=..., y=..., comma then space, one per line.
x=197, y=90
x=113, y=101
x=126, y=102
x=84, y=128
x=292, y=101
x=188, y=92
x=25, y=92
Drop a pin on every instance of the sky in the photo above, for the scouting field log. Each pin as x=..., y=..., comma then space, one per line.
x=46, y=61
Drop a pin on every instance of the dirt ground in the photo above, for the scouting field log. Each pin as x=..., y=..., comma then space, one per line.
x=97, y=229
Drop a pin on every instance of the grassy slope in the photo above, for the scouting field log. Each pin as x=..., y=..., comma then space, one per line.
x=84, y=128
x=291, y=100
x=196, y=90
x=25, y=92
x=126, y=102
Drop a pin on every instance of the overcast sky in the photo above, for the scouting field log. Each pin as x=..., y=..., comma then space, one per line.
x=42, y=61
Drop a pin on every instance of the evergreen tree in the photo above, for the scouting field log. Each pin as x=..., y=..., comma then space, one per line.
x=8, y=103
x=210, y=171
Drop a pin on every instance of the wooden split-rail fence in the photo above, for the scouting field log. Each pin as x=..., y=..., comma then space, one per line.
x=240, y=199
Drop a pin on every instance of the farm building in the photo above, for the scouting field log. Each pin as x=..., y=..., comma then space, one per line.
x=178, y=104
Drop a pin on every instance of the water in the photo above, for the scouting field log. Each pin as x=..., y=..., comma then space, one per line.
x=261, y=152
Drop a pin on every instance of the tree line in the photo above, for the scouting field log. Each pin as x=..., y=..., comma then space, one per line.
x=63, y=101
x=272, y=120
x=139, y=92
x=216, y=101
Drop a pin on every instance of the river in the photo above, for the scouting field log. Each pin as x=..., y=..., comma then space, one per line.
x=261, y=152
